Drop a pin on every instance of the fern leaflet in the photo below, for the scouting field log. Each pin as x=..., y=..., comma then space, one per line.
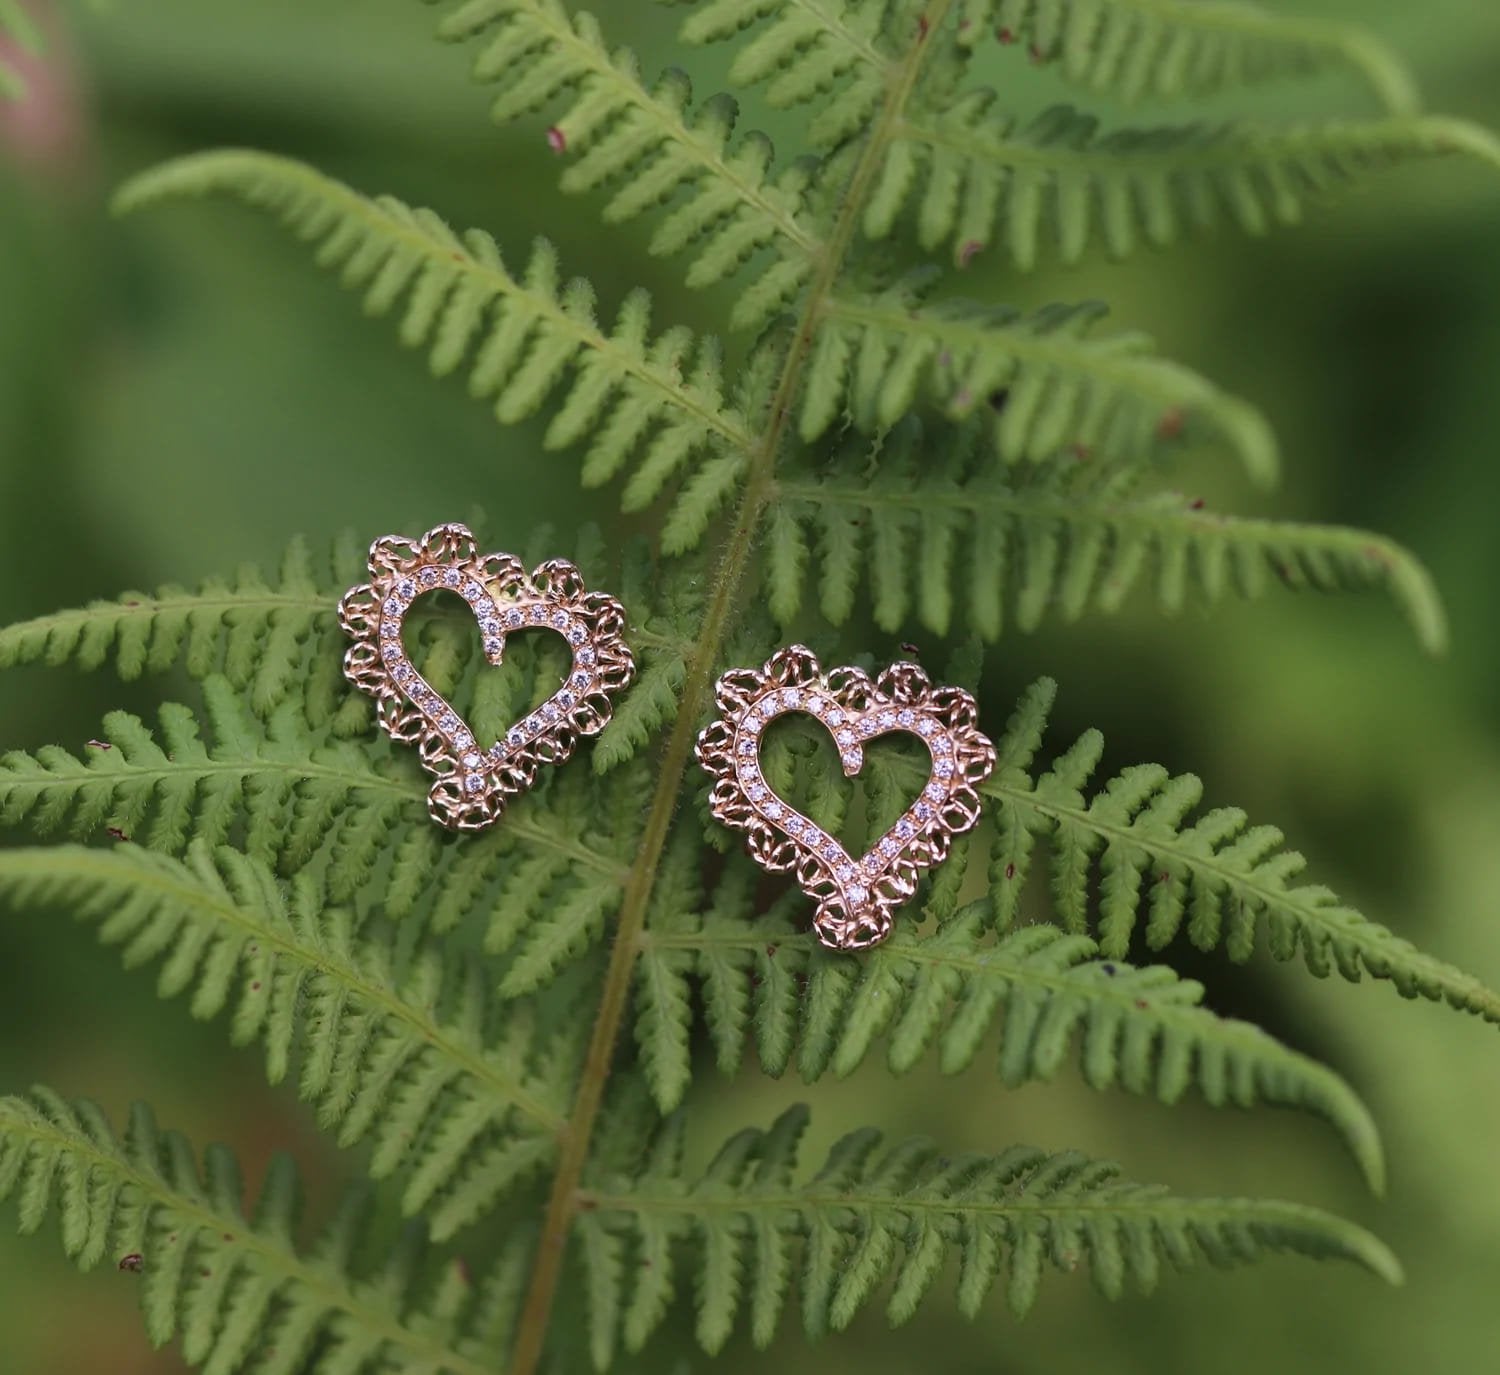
x=398, y=1049
x=868, y=1216
x=232, y=1284
x=977, y=178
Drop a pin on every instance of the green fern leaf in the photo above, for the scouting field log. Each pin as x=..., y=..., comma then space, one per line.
x=1230, y=883
x=829, y=51
x=1051, y=381
x=656, y=403
x=221, y=1278
x=931, y=532
x=1139, y=1029
x=251, y=629
x=867, y=1217
x=647, y=143
x=977, y=178
x=1143, y=49
x=396, y=1050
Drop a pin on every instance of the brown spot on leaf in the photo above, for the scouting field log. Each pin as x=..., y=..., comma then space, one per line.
x=135, y=1262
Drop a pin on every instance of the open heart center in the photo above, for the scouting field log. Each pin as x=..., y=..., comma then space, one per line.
x=474, y=782
x=856, y=897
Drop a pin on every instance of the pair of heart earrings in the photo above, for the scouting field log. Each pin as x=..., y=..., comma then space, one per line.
x=855, y=898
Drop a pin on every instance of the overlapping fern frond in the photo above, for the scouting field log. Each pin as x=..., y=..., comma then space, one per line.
x=399, y=1047
x=974, y=176
x=231, y=1283
x=1165, y=48
x=899, y=1215
x=1139, y=1029
x=935, y=536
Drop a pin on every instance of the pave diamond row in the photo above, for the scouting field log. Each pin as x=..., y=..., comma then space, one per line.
x=497, y=615
x=849, y=729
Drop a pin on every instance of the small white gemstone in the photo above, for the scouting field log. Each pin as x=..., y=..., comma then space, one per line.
x=858, y=895
x=887, y=719
x=428, y=577
x=835, y=718
x=792, y=697
x=756, y=792
x=391, y=653
x=943, y=745
x=560, y=619
x=905, y=717
x=577, y=634
x=392, y=606
x=389, y=629
x=490, y=626
x=752, y=725
x=927, y=725
x=935, y=791
x=566, y=699
x=513, y=617
x=472, y=761
x=747, y=747
x=905, y=829
x=514, y=735
x=586, y=657
x=889, y=847
x=473, y=591
x=451, y=577
x=867, y=727
x=923, y=811
x=851, y=759
x=403, y=673
x=406, y=588
x=537, y=614
x=474, y=783
x=550, y=712
x=449, y=721
x=463, y=740
x=796, y=825
x=493, y=644
x=819, y=705
x=831, y=848
x=844, y=873
x=532, y=724
x=773, y=810
x=943, y=769
x=845, y=737
x=497, y=750
x=580, y=680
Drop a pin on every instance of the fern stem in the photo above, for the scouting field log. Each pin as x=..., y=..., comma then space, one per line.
x=563, y=1201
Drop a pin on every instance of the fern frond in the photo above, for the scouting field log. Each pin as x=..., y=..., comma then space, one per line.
x=869, y=1216
x=1052, y=382
x=229, y=1282
x=1139, y=1029
x=829, y=51
x=402, y=1051
x=249, y=628
x=977, y=177
x=652, y=405
x=648, y=144
x=1130, y=853
x=931, y=532
x=1141, y=49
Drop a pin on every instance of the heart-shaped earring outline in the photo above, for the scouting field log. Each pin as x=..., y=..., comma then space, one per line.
x=856, y=899
x=472, y=785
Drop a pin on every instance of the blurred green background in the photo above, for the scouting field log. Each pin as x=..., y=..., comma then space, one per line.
x=182, y=392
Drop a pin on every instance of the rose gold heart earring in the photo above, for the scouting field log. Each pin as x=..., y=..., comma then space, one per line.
x=473, y=784
x=855, y=900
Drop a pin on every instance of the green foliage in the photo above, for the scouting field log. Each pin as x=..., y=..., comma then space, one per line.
x=19, y=29
x=868, y=1217
x=232, y=1285
x=927, y=458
